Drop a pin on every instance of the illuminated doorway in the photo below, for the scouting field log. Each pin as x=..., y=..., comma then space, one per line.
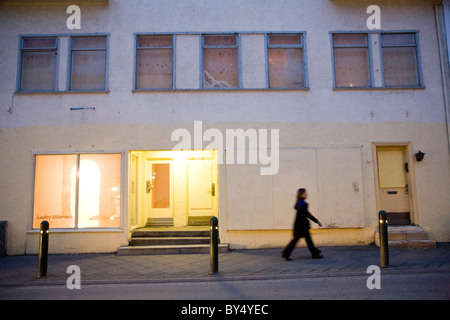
x=172, y=188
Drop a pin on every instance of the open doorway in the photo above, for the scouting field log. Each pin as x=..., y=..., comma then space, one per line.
x=172, y=188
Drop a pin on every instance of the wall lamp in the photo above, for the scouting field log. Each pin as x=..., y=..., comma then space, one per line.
x=419, y=156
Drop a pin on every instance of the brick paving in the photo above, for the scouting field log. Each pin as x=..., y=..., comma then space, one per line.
x=236, y=264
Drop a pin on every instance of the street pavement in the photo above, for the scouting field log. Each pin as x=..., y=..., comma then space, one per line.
x=257, y=264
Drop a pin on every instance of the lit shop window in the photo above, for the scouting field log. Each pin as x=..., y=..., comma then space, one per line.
x=220, y=61
x=77, y=191
x=285, y=61
x=154, y=62
x=351, y=60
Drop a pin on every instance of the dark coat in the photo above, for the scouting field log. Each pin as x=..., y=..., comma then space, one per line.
x=301, y=225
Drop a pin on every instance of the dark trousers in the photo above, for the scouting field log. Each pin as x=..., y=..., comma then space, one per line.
x=290, y=247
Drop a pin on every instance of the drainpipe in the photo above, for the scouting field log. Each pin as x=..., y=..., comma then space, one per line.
x=442, y=14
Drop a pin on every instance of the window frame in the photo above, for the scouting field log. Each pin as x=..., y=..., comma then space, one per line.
x=237, y=46
x=136, y=48
x=19, y=78
x=418, y=58
x=369, y=58
x=70, y=66
x=301, y=46
x=78, y=162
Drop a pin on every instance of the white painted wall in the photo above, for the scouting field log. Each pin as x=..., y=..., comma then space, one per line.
x=326, y=135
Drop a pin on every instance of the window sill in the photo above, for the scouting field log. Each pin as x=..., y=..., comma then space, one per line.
x=87, y=230
x=217, y=90
x=380, y=88
x=60, y=92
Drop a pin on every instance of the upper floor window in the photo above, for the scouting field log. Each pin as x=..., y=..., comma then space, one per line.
x=220, y=68
x=351, y=60
x=154, y=62
x=400, y=59
x=38, y=63
x=376, y=59
x=285, y=59
x=88, y=63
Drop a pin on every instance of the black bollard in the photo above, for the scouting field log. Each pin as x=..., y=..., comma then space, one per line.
x=384, y=246
x=43, y=250
x=214, y=247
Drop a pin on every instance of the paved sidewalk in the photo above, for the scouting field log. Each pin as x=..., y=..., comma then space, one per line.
x=236, y=264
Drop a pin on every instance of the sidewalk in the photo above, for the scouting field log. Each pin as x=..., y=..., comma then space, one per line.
x=234, y=265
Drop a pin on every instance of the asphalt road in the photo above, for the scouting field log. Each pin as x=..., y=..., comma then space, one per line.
x=428, y=286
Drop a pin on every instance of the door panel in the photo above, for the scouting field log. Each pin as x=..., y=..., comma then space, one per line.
x=201, y=188
x=158, y=189
x=390, y=169
x=161, y=185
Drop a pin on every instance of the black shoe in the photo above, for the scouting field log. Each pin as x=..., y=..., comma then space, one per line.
x=317, y=256
x=285, y=257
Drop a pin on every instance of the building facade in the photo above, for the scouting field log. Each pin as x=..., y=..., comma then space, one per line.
x=115, y=114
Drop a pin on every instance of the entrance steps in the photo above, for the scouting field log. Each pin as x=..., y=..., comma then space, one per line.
x=169, y=240
x=406, y=237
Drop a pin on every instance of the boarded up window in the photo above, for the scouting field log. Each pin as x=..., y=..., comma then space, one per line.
x=400, y=63
x=332, y=177
x=38, y=64
x=285, y=61
x=351, y=60
x=220, y=61
x=154, y=62
x=88, y=63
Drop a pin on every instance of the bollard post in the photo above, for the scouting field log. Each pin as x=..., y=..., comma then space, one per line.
x=384, y=246
x=43, y=250
x=214, y=247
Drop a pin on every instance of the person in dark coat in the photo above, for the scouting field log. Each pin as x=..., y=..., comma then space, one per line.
x=301, y=227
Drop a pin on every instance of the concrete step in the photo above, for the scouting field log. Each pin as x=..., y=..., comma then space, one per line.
x=146, y=241
x=171, y=232
x=406, y=237
x=412, y=244
x=168, y=249
x=169, y=240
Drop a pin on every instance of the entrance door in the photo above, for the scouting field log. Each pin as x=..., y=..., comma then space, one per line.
x=393, y=184
x=159, y=192
x=202, y=191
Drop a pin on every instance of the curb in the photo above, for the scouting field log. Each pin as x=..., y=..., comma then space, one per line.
x=212, y=278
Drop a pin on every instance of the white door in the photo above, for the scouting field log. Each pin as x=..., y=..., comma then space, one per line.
x=202, y=188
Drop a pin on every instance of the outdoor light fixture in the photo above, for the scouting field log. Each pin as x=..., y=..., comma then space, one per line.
x=419, y=156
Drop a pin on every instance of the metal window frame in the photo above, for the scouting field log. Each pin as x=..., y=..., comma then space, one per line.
x=368, y=46
x=20, y=71
x=418, y=58
x=236, y=46
x=70, y=60
x=302, y=46
x=136, y=48
x=123, y=172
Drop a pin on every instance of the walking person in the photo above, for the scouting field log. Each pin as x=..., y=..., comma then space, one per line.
x=301, y=227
